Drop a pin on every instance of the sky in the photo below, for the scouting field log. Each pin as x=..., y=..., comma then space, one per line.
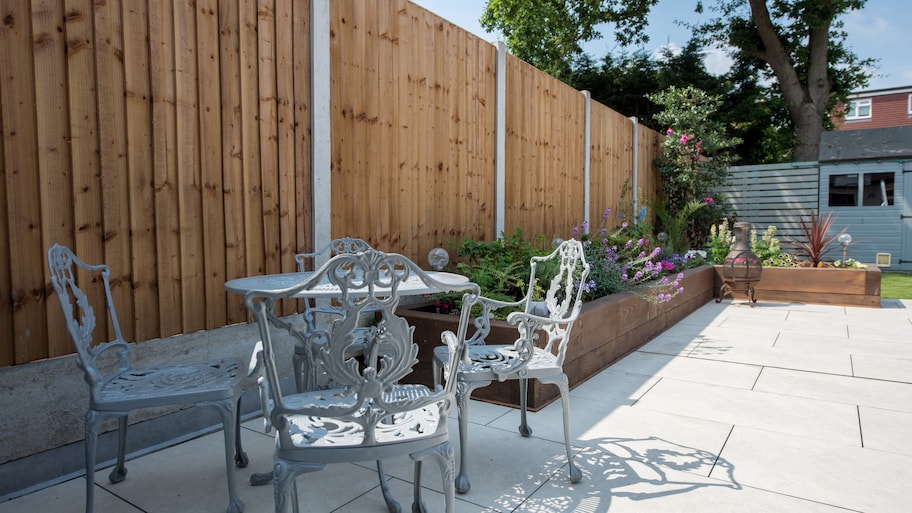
x=878, y=31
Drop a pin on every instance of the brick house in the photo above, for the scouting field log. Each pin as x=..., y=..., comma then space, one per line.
x=877, y=108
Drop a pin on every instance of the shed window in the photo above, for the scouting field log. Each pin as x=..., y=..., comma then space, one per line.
x=858, y=109
x=909, y=105
x=876, y=190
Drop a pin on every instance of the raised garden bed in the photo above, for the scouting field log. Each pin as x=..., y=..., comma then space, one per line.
x=824, y=286
x=607, y=329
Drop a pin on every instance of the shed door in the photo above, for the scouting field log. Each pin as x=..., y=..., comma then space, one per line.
x=905, y=259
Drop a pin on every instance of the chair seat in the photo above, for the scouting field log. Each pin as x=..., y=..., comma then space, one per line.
x=487, y=359
x=172, y=384
x=315, y=431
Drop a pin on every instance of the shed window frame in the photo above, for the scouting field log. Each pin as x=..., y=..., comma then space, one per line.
x=854, y=190
x=909, y=105
x=859, y=109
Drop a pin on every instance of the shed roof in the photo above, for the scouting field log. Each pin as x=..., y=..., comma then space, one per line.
x=870, y=143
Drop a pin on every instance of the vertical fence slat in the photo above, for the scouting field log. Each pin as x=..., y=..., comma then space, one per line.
x=86, y=236
x=53, y=149
x=164, y=158
x=232, y=152
x=26, y=289
x=303, y=215
x=112, y=150
x=192, y=254
x=213, y=202
x=255, y=249
x=138, y=96
x=266, y=47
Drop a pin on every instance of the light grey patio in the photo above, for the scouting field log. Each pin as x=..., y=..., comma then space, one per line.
x=776, y=408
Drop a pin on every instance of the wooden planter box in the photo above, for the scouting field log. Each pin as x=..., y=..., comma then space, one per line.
x=607, y=329
x=825, y=286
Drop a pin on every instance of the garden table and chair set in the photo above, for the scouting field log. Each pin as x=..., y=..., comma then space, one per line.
x=353, y=397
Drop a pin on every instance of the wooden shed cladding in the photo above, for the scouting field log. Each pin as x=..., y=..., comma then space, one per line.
x=413, y=104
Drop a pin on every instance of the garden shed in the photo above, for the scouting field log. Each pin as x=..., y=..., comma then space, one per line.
x=866, y=182
x=864, y=177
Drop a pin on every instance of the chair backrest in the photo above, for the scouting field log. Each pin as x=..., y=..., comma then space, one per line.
x=80, y=315
x=564, y=296
x=366, y=383
x=335, y=247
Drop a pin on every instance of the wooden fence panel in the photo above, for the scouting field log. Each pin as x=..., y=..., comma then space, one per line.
x=544, y=153
x=405, y=103
x=171, y=140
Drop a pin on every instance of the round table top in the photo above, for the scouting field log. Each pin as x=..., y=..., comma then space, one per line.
x=275, y=282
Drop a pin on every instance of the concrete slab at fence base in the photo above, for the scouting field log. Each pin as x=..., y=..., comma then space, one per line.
x=823, y=286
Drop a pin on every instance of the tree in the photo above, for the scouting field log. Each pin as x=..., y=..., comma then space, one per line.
x=800, y=43
x=548, y=33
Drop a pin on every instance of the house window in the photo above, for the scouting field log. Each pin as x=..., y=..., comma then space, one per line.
x=909, y=103
x=858, y=109
x=875, y=189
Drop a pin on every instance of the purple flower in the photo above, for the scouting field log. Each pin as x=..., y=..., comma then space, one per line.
x=606, y=214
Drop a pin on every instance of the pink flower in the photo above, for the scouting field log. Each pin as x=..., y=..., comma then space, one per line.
x=684, y=139
x=669, y=131
x=708, y=200
x=668, y=266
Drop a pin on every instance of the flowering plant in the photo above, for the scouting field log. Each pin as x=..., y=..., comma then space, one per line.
x=625, y=258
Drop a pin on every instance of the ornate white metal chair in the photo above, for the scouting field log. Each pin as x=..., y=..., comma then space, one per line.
x=531, y=356
x=314, y=313
x=113, y=394
x=362, y=409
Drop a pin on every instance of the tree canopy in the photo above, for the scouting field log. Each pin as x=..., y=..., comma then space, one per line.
x=801, y=44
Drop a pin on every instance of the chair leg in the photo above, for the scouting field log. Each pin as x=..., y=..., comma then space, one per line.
x=92, y=420
x=119, y=472
x=563, y=385
x=524, y=428
x=228, y=410
x=444, y=455
x=240, y=457
x=391, y=503
x=463, y=394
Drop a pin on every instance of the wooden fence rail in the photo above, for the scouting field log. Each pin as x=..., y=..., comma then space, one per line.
x=172, y=141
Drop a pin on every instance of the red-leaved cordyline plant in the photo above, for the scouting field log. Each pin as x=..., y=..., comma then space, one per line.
x=817, y=242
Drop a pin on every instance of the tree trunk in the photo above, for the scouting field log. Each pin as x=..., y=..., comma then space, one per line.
x=807, y=101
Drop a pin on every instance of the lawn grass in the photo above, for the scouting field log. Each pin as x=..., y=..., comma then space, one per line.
x=896, y=285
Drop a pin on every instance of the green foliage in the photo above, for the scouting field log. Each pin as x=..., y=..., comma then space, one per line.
x=769, y=249
x=676, y=224
x=548, y=34
x=816, y=243
x=501, y=267
x=799, y=44
x=720, y=242
x=696, y=155
x=626, y=258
